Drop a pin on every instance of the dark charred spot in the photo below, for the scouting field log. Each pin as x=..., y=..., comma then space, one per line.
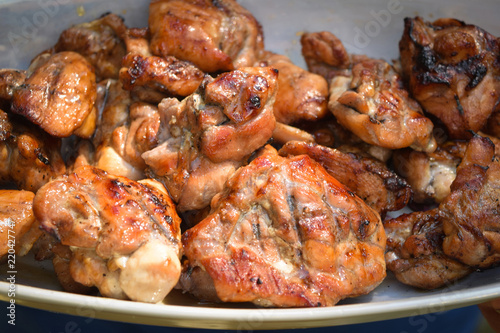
x=363, y=228
x=255, y=102
x=459, y=106
x=256, y=230
x=42, y=158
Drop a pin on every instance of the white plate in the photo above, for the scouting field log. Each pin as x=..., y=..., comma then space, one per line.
x=365, y=26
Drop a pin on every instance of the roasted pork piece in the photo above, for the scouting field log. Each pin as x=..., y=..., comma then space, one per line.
x=284, y=233
x=208, y=135
x=124, y=236
x=451, y=68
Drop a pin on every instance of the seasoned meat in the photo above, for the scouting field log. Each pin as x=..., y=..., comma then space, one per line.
x=99, y=41
x=430, y=249
x=16, y=219
x=29, y=157
x=301, y=95
x=452, y=69
x=284, y=233
x=430, y=174
x=209, y=134
x=368, y=178
x=415, y=251
x=10, y=80
x=374, y=105
x=165, y=76
x=126, y=130
x=124, y=236
x=213, y=35
x=59, y=96
x=471, y=219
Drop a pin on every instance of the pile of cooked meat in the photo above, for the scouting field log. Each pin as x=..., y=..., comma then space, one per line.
x=185, y=155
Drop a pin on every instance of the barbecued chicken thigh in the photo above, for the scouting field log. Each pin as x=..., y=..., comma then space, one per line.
x=99, y=41
x=205, y=137
x=451, y=68
x=284, y=233
x=458, y=236
x=301, y=95
x=368, y=178
x=214, y=35
x=29, y=157
x=367, y=96
x=124, y=236
x=59, y=96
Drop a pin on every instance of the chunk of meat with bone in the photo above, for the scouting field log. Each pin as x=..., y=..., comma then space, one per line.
x=215, y=35
x=99, y=41
x=208, y=135
x=374, y=105
x=29, y=157
x=430, y=175
x=470, y=215
x=16, y=219
x=415, y=251
x=59, y=96
x=301, y=95
x=124, y=236
x=452, y=69
x=458, y=236
x=165, y=76
x=367, y=177
x=284, y=233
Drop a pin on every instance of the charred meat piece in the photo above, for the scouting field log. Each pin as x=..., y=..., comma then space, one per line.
x=126, y=130
x=415, y=251
x=124, y=236
x=29, y=157
x=471, y=219
x=213, y=35
x=59, y=96
x=301, y=95
x=284, y=233
x=368, y=178
x=209, y=134
x=452, y=69
x=430, y=175
x=99, y=41
x=374, y=105
x=16, y=219
x=167, y=76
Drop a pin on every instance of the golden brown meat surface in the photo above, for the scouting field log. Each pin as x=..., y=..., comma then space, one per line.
x=284, y=233
x=209, y=134
x=59, y=96
x=301, y=95
x=415, y=251
x=29, y=157
x=99, y=41
x=452, y=70
x=213, y=35
x=16, y=219
x=124, y=235
x=374, y=105
x=368, y=178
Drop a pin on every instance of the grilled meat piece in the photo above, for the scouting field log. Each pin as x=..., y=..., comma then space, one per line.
x=415, y=251
x=374, y=105
x=124, y=236
x=99, y=41
x=301, y=95
x=59, y=96
x=209, y=134
x=284, y=233
x=368, y=178
x=451, y=68
x=215, y=35
x=29, y=157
